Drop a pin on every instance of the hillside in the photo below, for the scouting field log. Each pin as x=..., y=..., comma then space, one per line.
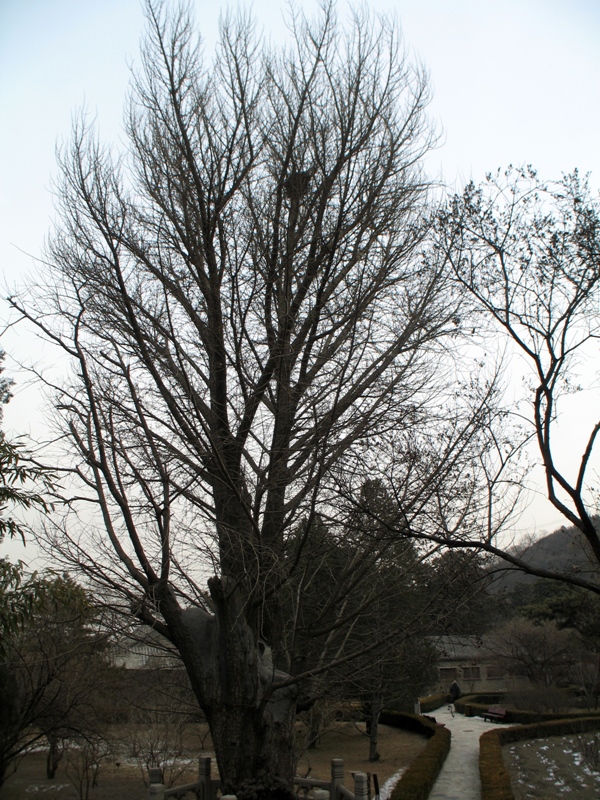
x=565, y=551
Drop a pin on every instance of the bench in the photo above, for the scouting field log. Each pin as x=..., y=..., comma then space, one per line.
x=495, y=714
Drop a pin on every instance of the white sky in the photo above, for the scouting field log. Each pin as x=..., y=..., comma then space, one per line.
x=514, y=82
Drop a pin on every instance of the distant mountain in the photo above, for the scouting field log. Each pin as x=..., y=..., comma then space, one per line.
x=565, y=550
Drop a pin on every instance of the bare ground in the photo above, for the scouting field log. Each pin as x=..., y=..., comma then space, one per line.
x=551, y=768
x=398, y=748
x=120, y=776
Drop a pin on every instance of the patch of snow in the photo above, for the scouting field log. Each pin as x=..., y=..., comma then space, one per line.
x=385, y=791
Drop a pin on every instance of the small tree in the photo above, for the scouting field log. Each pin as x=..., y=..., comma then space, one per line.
x=52, y=673
x=571, y=608
x=84, y=760
x=541, y=653
x=401, y=605
x=395, y=680
x=22, y=596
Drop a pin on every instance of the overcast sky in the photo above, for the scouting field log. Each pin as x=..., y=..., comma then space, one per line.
x=513, y=82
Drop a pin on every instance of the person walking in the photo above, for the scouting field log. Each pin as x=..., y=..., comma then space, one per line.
x=455, y=691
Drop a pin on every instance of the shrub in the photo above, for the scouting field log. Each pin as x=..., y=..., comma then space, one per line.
x=418, y=780
x=479, y=701
x=433, y=701
x=541, y=699
x=495, y=778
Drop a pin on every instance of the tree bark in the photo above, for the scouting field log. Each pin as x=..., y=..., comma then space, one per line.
x=254, y=749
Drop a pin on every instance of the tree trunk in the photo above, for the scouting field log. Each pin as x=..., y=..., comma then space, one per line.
x=55, y=753
x=314, y=728
x=373, y=726
x=232, y=675
x=255, y=751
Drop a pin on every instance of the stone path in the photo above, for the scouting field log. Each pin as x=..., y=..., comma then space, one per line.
x=459, y=778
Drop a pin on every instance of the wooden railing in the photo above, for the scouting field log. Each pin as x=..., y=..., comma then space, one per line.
x=207, y=788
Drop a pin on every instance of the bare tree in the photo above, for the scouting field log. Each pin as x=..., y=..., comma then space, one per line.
x=528, y=253
x=249, y=318
x=53, y=673
x=541, y=653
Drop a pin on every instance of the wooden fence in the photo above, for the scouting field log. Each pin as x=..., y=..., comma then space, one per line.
x=207, y=787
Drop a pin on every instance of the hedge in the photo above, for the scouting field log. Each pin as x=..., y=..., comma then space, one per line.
x=479, y=703
x=495, y=778
x=433, y=701
x=416, y=783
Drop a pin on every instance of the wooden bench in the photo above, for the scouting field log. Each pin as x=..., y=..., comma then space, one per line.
x=495, y=714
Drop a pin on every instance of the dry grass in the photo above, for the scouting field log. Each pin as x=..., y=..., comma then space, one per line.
x=115, y=783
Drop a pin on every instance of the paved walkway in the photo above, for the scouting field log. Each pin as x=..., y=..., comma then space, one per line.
x=459, y=778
